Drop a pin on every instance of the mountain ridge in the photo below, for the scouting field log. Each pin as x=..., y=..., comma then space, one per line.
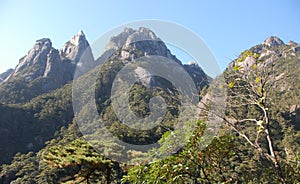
x=58, y=98
x=52, y=111
x=47, y=68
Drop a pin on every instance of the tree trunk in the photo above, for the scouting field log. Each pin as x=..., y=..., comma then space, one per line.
x=271, y=149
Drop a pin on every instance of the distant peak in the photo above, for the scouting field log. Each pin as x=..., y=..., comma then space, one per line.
x=144, y=29
x=44, y=42
x=292, y=43
x=192, y=63
x=80, y=33
x=130, y=35
x=74, y=48
x=273, y=41
x=78, y=39
x=128, y=30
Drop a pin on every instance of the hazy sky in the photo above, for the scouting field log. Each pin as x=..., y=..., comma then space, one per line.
x=228, y=27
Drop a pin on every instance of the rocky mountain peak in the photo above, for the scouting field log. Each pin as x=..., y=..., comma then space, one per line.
x=140, y=35
x=4, y=75
x=292, y=43
x=74, y=48
x=139, y=42
x=117, y=42
x=35, y=55
x=273, y=41
x=129, y=36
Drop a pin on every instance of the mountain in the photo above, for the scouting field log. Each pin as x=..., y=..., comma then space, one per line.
x=4, y=75
x=133, y=44
x=273, y=41
x=39, y=85
x=44, y=69
x=142, y=39
x=74, y=48
x=283, y=62
x=43, y=115
x=52, y=147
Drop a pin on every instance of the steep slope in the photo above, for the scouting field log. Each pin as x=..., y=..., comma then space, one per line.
x=143, y=40
x=4, y=75
x=26, y=128
x=244, y=165
x=43, y=69
x=283, y=63
x=130, y=45
x=74, y=48
x=263, y=94
x=47, y=114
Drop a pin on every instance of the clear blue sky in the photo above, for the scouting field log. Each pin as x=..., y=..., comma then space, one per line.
x=228, y=27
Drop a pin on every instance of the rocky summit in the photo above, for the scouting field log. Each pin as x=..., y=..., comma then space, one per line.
x=273, y=41
x=4, y=75
x=49, y=62
x=142, y=39
x=41, y=142
x=74, y=48
x=45, y=68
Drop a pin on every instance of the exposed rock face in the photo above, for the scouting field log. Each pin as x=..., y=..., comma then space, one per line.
x=42, y=61
x=51, y=68
x=144, y=77
x=48, y=67
x=273, y=41
x=117, y=42
x=292, y=43
x=132, y=44
x=143, y=40
x=37, y=55
x=249, y=62
x=197, y=74
x=74, y=48
x=71, y=54
x=51, y=63
x=264, y=50
x=4, y=75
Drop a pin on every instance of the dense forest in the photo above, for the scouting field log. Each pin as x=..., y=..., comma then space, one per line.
x=258, y=140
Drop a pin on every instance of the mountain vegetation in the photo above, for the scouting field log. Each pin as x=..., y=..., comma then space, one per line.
x=42, y=142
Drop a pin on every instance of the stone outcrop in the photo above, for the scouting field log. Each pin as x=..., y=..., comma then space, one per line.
x=74, y=48
x=142, y=40
x=273, y=41
x=4, y=75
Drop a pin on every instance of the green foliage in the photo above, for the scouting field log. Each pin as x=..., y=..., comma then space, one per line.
x=32, y=124
x=80, y=156
x=191, y=164
x=68, y=158
x=254, y=104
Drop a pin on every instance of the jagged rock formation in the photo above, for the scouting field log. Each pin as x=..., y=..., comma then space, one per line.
x=4, y=75
x=74, y=48
x=38, y=55
x=282, y=61
x=47, y=113
x=144, y=40
x=133, y=44
x=273, y=41
x=50, y=61
x=197, y=74
x=45, y=68
x=270, y=47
